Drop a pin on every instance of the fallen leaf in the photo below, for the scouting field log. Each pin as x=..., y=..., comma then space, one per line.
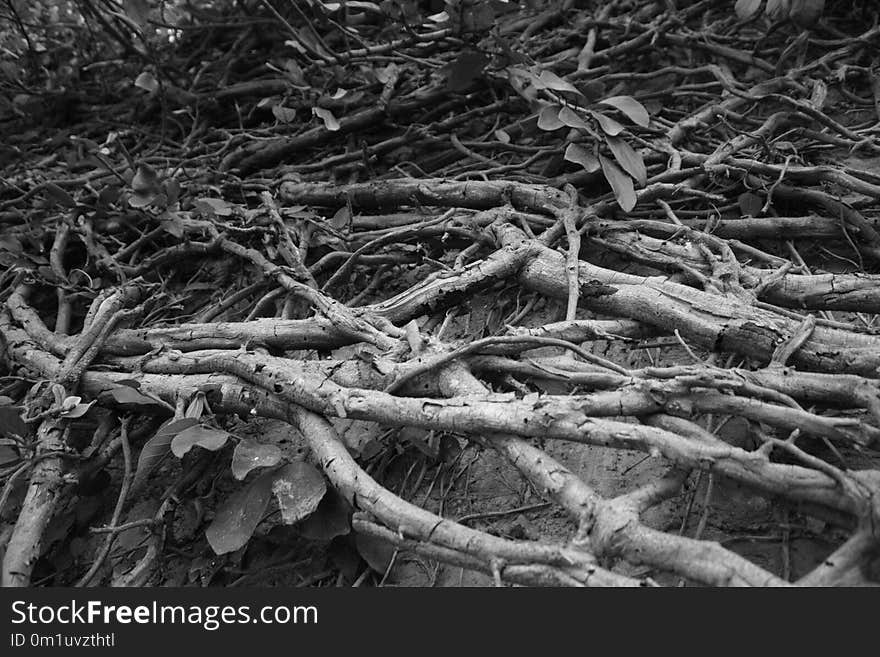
x=239, y=515
x=327, y=117
x=250, y=455
x=146, y=81
x=198, y=436
x=298, y=487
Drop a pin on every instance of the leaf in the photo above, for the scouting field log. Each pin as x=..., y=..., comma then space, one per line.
x=750, y=205
x=481, y=16
x=145, y=179
x=211, y=206
x=8, y=454
x=549, y=80
x=819, y=94
x=239, y=515
x=609, y=126
x=519, y=80
x=806, y=13
x=109, y=195
x=173, y=224
x=196, y=407
x=425, y=441
x=146, y=81
x=141, y=199
x=198, y=436
x=467, y=67
x=11, y=422
x=376, y=552
x=60, y=196
x=356, y=434
x=157, y=447
x=327, y=117
x=138, y=11
x=123, y=394
x=294, y=72
x=746, y=8
x=571, y=118
x=284, y=114
x=77, y=411
x=548, y=118
x=387, y=73
x=777, y=9
x=172, y=190
x=621, y=184
x=332, y=518
x=250, y=455
x=633, y=109
x=70, y=402
x=580, y=155
x=298, y=487
x=629, y=159
x=341, y=219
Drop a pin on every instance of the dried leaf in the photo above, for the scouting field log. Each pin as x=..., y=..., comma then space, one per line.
x=196, y=407
x=298, y=487
x=819, y=94
x=327, y=117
